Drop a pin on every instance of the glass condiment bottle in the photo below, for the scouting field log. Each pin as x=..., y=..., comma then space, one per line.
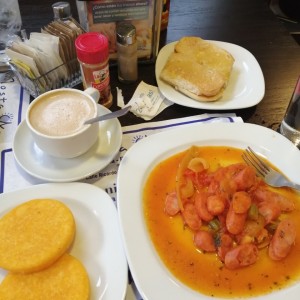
x=165, y=14
x=127, y=53
x=93, y=55
x=62, y=12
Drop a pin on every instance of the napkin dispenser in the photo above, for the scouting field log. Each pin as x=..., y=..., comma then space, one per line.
x=47, y=60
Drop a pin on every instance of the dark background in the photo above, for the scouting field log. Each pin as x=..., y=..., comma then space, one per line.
x=248, y=23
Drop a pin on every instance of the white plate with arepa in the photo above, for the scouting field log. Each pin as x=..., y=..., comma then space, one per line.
x=246, y=86
x=97, y=241
x=151, y=276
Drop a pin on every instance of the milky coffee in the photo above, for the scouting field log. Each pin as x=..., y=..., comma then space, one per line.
x=61, y=113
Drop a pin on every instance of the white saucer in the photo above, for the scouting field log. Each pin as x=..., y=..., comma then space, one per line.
x=45, y=167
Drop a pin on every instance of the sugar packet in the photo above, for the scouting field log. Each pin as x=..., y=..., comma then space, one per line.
x=146, y=102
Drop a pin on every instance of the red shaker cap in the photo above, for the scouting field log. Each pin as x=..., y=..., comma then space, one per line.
x=92, y=47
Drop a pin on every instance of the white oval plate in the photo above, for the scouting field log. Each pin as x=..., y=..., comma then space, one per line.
x=45, y=167
x=97, y=241
x=246, y=86
x=150, y=275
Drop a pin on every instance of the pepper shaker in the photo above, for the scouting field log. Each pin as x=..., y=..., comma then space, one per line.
x=127, y=53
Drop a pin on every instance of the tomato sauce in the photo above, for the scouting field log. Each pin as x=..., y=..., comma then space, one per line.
x=204, y=272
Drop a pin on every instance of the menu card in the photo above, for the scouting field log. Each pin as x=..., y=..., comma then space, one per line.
x=104, y=16
x=14, y=101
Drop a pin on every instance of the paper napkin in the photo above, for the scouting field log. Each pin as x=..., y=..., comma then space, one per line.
x=146, y=102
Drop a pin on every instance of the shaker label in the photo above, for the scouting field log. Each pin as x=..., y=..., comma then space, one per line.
x=100, y=75
x=101, y=79
x=101, y=85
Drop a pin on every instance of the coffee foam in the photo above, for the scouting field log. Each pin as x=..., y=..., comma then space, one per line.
x=61, y=113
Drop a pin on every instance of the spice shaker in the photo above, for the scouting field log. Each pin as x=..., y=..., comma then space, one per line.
x=93, y=55
x=127, y=53
x=165, y=14
x=62, y=12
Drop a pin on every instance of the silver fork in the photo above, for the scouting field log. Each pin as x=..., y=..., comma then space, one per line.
x=271, y=177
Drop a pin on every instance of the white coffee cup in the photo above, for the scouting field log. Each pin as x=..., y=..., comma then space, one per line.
x=56, y=118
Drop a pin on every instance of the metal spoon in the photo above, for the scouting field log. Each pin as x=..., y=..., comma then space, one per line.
x=108, y=116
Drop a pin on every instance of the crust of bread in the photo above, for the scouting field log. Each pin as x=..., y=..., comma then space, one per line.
x=199, y=97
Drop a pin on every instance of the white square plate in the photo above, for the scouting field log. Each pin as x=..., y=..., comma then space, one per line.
x=246, y=86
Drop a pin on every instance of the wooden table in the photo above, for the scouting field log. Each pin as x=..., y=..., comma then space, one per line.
x=248, y=23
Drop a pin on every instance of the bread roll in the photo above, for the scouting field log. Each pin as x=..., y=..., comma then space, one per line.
x=206, y=53
x=190, y=78
x=198, y=69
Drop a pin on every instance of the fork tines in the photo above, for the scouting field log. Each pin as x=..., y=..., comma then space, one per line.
x=251, y=158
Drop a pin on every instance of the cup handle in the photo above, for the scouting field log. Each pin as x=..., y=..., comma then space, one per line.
x=94, y=93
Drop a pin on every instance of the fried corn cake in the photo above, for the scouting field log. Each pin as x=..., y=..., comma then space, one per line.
x=35, y=234
x=66, y=279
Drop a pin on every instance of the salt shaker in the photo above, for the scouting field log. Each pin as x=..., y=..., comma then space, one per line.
x=127, y=53
x=62, y=12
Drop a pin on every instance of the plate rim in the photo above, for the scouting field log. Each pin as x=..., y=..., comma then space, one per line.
x=160, y=62
x=115, y=123
x=74, y=191
x=261, y=140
